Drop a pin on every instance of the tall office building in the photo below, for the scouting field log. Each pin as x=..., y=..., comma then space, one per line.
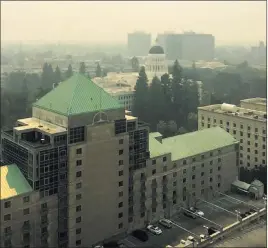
x=82, y=170
x=188, y=46
x=139, y=43
x=246, y=123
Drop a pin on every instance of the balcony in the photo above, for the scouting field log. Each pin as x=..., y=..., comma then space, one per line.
x=26, y=228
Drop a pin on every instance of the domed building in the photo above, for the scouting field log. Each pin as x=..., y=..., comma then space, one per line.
x=156, y=64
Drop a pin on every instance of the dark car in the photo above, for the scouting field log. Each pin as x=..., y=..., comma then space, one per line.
x=248, y=213
x=189, y=214
x=110, y=244
x=140, y=235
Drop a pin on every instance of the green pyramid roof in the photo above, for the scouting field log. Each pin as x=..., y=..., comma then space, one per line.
x=77, y=95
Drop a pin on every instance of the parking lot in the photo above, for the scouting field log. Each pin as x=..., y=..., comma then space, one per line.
x=217, y=215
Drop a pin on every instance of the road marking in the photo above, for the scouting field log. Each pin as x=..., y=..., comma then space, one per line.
x=132, y=244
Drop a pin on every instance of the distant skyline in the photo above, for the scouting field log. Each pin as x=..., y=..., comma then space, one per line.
x=231, y=22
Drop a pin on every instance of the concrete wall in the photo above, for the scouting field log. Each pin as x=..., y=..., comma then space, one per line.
x=34, y=217
x=248, y=145
x=100, y=186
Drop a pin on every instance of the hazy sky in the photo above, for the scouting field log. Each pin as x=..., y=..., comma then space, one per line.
x=103, y=22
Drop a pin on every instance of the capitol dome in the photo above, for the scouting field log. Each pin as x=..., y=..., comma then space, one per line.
x=156, y=50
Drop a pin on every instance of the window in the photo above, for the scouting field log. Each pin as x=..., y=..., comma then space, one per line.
x=26, y=199
x=221, y=122
x=202, y=117
x=263, y=154
x=263, y=147
x=219, y=185
x=211, y=179
x=120, y=173
x=208, y=119
x=79, y=151
x=256, y=137
x=78, y=162
x=202, y=165
x=208, y=125
x=241, y=155
x=248, y=156
x=241, y=141
x=241, y=133
x=263, y=162
x=234, y=124
x=78, y=230
x=78, y=219
x=153, y=162
x=121, y=142
x=219, y=168
x=193, y=186
x=174, y=184
x=234, y=132
x=78, y=208
x=121, y=162
x=248, y=149
x=78, y=185
x=211, y=154
x=248, y=135
x=211, y=162
x=130, y=219
x=174, y=174
x=78, y=242
x=120, y=193
x=26, y=211
x=214, y=120
x=164, y=168
x=202, y=174
x=120, y=226
x=121, y=152
x=184, y=171
x=249, y=143
x=7, y=217
x=241, y=126
x=202, y=182
x=227, y=123
x=7, y=229
x=120, y=183
x=256, y=159
x=241, y=148
x=120, y=204
x=44, y=205
x=78, y=173
x=193, y=159
x=164, y=159
x=78, y=196
x=193, y=177
x=77, y=134
x=219, y=160
x=174, y=165
x=120, y=215
x=256, y=152
x=248, y=128
x=256, y=130
x=202, y=191
x=211, y=171
x=184, y=180
x=153, y=171
x=202, y=156
x=7, y=204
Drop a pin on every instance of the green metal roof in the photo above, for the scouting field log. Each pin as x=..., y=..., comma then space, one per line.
x=77, y=95
x=155, y=147
x=241, y=184
x=194, y=143
x=13, y=183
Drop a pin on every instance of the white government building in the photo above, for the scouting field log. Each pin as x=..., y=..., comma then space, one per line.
x=121, y=85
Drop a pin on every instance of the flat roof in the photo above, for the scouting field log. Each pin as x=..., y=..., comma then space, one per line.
x=199, y=142
x=238, y=112
x=129, y=117
x=256, y=100
x=35, y=123
x=13, y=183
x=156, y=148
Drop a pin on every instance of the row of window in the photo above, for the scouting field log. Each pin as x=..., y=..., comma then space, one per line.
x=25, y=199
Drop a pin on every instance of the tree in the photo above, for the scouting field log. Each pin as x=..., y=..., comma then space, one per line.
x=69, y=72
x=157, y=102
x=98, y=71
x=47, y=77
x=167, y=92
x=135, y=64
x=182, y=130
x=141, y=95
x=192, y=122
x=57, y=75
x=172, y=127
x=82, y=68
x=162, y=127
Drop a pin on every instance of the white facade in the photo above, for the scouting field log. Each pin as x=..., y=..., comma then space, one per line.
x=156, y=65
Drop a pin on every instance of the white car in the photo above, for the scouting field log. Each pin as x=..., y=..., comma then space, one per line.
x=197, y=211
x=166, y=223
x=154, y=229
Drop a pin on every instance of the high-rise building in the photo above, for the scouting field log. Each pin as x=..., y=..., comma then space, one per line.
x=246, y=123
x=139, y=43
x=82, y=170
x=188, y=46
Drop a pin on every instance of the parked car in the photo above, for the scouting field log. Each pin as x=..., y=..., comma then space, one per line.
x=212, y=230
x=247, y=213
x=197, y=211
x=165, y=223
x=189, y=214
x=140, y=235
x=154, y=229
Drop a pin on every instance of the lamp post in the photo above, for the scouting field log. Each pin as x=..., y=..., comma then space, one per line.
x=237, y=214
